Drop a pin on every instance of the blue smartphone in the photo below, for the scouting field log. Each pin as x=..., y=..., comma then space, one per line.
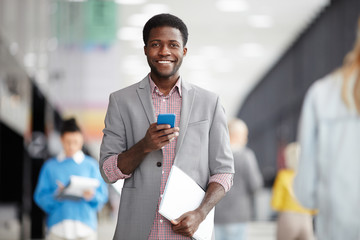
x=168, y=118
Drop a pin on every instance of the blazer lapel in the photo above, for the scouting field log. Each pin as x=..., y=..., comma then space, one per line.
x=188, y=95
x=143, y=92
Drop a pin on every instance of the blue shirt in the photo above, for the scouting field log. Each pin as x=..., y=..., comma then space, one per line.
x=57, y=210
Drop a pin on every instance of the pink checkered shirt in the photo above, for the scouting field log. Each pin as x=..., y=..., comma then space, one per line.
x=161, y=229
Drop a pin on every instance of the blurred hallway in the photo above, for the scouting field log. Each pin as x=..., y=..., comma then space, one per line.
x=62, y=58
x=257, y=230
x=10, y=230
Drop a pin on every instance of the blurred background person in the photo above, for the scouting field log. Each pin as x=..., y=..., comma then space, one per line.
x=328, y=177
x=294, y=222
x=70, y=218
x=237, y=207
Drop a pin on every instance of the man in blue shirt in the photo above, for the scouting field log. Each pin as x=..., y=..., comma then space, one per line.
x=70, y=217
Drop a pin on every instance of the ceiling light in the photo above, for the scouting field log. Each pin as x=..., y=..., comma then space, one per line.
x=155, y=8
x=232, y=5
x=261, y=21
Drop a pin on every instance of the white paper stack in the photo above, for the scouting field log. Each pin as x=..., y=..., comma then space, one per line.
x=78, y=185
x=182, y=194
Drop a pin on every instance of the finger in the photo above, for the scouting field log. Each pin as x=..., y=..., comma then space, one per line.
x=179, y=219
x=155, y=134
x=60, y=185
x=170, y=130
x=161, y=141
x=162, y=126
x=180, y=228
x=185, y=225
x=183, y=231
x=181, y=224
x=154, y=127
x=167, y=139
x=166, y=127
x=88, y=194
x=174, y=222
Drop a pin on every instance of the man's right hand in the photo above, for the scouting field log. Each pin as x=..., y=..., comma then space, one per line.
x=157, y=136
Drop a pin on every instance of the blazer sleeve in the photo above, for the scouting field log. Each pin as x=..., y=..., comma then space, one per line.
x=114, y=138
x=220, y=154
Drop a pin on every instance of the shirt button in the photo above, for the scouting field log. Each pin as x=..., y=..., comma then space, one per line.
x=158, y=164
x=164, y=100
x=161, y=195
x=162, y=172
x=161, y=220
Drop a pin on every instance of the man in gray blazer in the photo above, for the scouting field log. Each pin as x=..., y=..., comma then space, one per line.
x=137, y=149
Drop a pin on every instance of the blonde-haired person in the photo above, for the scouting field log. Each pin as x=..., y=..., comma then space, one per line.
x=294, y=222
x=328, y=176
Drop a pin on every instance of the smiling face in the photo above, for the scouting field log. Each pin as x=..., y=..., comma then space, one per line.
x=165, y=52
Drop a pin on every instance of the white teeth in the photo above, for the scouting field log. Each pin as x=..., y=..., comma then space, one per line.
x=164, y=62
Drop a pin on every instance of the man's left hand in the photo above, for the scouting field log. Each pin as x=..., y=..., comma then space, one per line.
x=188, y=223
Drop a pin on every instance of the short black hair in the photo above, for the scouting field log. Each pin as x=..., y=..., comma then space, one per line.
x=69, y=125
x=165, y=19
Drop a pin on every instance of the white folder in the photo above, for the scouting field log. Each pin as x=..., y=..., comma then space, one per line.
x=76, y=187
x=182, y=194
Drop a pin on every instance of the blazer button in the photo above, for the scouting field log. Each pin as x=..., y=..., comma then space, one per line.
x=158, y=164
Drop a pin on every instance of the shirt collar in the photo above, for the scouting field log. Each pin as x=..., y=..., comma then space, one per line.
x=78, y=157
x=177, y=86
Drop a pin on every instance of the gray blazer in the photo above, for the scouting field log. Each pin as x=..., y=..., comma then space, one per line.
x=202, y=149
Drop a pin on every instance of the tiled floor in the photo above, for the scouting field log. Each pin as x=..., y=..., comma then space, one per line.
x=262, y=231
x=257, y=230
